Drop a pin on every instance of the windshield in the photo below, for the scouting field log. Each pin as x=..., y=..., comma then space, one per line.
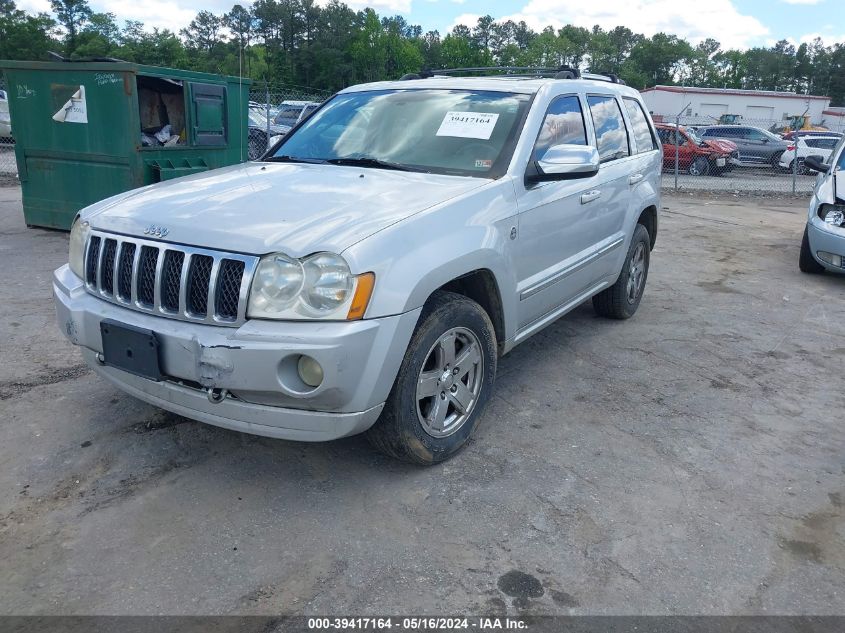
x=772, y=137
x=694, y=136
x=257, y=119
x=460, y=132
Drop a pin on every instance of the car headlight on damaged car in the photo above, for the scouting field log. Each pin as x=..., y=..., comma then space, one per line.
x=319, y=286
x=833, y=214
x=78, y=238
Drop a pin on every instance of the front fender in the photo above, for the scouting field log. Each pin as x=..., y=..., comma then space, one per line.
x=415, y=257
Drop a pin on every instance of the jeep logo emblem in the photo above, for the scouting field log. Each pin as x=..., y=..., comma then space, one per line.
x=156, y=231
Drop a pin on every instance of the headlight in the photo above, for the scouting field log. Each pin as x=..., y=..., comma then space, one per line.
x=833, y=214
x=319, y=286
x=78, y=237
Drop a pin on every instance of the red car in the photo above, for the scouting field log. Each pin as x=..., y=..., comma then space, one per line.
x=695, y=155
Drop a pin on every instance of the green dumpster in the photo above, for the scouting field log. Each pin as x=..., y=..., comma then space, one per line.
x=89, y=130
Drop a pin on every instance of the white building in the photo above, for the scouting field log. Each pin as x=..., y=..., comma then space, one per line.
x=756, y=107
x=834, y=119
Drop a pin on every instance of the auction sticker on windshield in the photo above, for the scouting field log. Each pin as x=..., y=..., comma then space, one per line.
x=468, y=124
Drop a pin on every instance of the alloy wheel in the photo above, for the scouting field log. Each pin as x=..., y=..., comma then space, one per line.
x=636, y=273
x=450, y=382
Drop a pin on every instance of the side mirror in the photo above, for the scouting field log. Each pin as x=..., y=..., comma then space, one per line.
x=564, y=162
x=817, y=163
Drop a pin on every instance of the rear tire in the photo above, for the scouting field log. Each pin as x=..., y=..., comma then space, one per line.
x=806, y=262
x=443, y=384
x=622, y=299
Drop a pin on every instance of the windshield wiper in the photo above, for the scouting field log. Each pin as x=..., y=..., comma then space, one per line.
x=294, y=159
x=366, y=161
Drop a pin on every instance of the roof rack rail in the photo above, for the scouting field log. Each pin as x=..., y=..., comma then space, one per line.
x=599, y=76
x=561, y=72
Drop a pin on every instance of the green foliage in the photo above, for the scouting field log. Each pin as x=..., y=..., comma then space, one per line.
x=330, y=46
x=24, y=36
x=72, y=15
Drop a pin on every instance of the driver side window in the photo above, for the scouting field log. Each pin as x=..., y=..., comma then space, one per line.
x=562, y=125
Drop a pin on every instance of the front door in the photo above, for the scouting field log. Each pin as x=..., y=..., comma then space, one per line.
x=566, y=228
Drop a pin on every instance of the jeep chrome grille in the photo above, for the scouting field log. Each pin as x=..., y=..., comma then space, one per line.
x=170, y=280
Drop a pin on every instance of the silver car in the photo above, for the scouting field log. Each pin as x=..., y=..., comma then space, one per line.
x=367, y=275
x=823, y=245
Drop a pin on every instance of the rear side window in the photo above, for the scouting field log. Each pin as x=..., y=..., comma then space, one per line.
x=562, y=125
x=721, y=131
x=611, y=135
x=667, y=137
x=643, y=138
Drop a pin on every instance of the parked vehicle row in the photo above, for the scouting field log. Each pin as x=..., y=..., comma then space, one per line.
x=282, y=119
x=259, y=139
x=755, y=146
x=695, y=155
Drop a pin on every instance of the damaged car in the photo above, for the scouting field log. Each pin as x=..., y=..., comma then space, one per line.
x=823, y=244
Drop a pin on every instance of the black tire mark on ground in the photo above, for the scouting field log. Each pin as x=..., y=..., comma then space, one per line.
x=12, y=388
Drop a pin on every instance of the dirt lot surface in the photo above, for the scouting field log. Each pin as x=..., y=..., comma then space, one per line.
x=690, y=460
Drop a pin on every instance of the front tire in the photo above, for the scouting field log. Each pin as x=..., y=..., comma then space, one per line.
x=806, y=262
x=699, y=167
x=256, y=144
x=443, y=384
x=622, y=299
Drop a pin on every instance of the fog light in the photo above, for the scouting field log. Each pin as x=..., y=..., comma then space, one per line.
x=830, y=258
x=310, y=371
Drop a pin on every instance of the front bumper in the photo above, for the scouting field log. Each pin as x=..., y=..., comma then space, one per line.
x=255, y=363
x=823, y=237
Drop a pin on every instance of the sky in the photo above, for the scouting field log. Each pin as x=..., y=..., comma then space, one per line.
x=734, y=23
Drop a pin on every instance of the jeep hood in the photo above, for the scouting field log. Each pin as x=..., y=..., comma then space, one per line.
x=258, y=208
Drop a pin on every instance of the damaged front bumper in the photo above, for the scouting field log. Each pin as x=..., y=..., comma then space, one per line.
x=826, y=240
x=252, y=366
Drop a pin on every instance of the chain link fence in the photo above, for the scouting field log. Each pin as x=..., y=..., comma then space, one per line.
x=8, y=166
x=743, y=156
x=275, y=109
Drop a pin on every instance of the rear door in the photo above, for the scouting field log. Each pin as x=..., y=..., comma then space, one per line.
x=755, y=144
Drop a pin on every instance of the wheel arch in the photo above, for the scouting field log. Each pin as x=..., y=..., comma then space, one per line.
x=481, y=286
x=648, y=218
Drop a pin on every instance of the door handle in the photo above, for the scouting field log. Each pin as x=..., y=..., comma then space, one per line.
x=590, y=196
x=633, y=180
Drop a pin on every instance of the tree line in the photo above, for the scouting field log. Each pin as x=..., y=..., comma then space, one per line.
x=332, y=46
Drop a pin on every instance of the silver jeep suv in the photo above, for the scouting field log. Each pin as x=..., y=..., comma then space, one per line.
x=368, y=272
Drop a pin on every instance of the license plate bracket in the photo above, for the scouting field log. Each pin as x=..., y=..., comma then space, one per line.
x=131, y=349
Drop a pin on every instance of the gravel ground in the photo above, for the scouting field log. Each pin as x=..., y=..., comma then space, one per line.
x=688, y=461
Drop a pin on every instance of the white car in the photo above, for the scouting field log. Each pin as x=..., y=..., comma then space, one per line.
x=808, y=146
x=5, y=120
